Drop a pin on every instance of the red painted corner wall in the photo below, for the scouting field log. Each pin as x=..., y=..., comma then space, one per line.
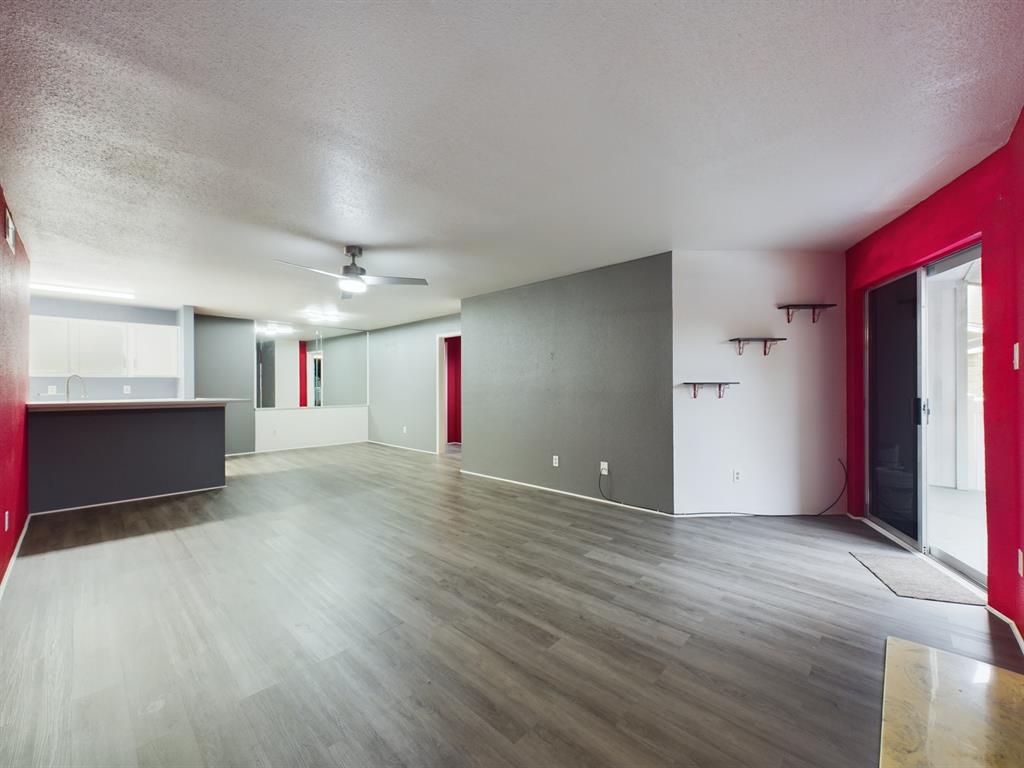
x=13, y=390
x=453, y=377
x=986, y=203
x=303, y=398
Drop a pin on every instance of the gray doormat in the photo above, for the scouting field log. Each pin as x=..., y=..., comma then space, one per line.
x=910, y=576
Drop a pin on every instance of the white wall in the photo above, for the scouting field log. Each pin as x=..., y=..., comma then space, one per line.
x=286, y=373
x=281, y=428
x=784, y=426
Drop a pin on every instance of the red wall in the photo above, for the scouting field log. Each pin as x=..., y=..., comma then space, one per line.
x=986, y=203
x=453, y=358
x=303, y=398
x=13, y=390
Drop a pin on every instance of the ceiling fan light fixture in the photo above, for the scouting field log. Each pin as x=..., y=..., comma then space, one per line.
x=352, y=284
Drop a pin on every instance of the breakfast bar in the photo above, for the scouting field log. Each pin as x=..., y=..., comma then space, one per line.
x=84, y=453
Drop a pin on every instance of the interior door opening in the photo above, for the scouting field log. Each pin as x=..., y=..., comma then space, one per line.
x=449, y=395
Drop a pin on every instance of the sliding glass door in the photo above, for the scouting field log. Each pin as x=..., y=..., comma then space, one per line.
x=894, y=407
x=955, y=447
x=925, y=411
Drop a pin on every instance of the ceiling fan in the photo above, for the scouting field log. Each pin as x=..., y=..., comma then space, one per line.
x=353, y=278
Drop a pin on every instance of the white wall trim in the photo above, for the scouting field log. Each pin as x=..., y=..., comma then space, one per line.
x=1013, y=626
x=276, y=429
x=14, y=558
x=574, y=495
x=125, y=501
x=297, y=448
x=403, y=447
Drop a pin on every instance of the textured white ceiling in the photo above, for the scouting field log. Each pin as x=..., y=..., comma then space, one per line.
x=177, y=148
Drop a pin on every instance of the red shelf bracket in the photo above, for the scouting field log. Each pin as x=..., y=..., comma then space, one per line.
x=697, y=386
x=816, y=310
x=767, y=342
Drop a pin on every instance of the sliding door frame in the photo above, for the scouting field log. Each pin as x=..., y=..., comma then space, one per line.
x=922, y=544
x=918, y=544
x=955, y=257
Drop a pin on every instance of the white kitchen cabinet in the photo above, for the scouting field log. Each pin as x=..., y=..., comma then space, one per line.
x=48, y=346
x=98, y=348
x=153, y=350
x=60, y=346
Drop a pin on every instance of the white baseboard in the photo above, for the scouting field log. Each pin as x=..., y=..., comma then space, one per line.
x=404, y=447
x=14, y=557
x=297, y=448
x=1013, y=626
x=574, y=495
x=127, y=501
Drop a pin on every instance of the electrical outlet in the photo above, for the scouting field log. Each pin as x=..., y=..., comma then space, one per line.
x=604, y=467
x=7, y=520
x=1020, y=563
x=405, y=430
x=51, y=389
x=736, y=476
x=554, y=460
x=126, y=389
x=1016, y=355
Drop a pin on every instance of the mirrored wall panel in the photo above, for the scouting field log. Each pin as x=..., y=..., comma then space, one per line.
x=309, y=366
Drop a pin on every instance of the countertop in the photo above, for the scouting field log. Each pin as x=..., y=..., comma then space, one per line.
x=127, y=405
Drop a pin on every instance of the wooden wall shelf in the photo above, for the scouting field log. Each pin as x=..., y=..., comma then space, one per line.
x=768, y=342
x=816, y=310
x=697, y=386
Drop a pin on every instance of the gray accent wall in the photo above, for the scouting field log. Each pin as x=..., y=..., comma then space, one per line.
x=187, y=323
x=403, y=382
x=581, y=367
x=226, y=367
x=95, y=310
x=266, y=373
x=344, y=370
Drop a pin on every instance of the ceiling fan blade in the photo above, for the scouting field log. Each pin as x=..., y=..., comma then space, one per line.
x=309, y=269
x=378, y=280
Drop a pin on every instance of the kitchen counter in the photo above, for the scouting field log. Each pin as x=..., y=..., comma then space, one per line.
x=126, y=404
x=84, y=453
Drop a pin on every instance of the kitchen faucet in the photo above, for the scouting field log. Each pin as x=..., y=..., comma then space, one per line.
x=67, y=387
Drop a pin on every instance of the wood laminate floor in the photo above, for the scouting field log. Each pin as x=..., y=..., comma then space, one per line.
x=368, y=606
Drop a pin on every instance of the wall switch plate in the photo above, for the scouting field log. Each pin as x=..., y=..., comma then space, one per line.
x=736, y=476
x=51, y=389
x=126, y=389
x=405, y=430
x=1016, y=355
x=7, y=520
x=1020, y=563
x=554, y=460
x=604, y=467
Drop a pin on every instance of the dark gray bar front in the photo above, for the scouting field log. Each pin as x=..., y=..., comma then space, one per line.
x=82, y=458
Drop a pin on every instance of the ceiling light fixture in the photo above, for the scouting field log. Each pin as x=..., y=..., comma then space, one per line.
x=274, y=330
x=352, y=284
x=81, y=291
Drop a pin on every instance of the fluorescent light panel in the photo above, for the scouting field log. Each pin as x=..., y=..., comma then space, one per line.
x=79, y=290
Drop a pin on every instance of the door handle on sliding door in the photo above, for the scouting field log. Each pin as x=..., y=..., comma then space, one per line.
x=922, y=411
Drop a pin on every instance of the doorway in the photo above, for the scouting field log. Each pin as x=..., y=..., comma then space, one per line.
x=449, y=395
x=925, y=411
